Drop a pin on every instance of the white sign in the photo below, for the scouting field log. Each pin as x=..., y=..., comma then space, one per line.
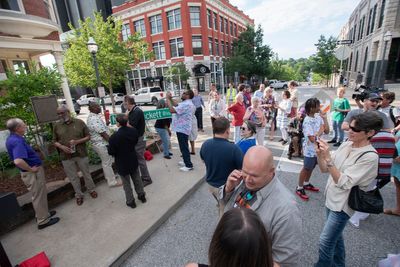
x=342, y=52
x=102, y=92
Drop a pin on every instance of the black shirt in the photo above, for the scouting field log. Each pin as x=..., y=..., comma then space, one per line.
x=136, y=120
x=163, y=123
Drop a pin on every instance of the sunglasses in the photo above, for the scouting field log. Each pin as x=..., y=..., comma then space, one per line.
x=356, y=130
x=243, y=128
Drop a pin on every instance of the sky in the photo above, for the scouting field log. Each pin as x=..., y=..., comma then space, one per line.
x=292, y=27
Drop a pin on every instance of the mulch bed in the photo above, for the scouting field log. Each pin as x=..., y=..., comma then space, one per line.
x=15, y=184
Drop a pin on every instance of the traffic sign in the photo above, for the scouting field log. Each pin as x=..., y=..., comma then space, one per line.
x=342, y=52
x=157, y=114
x=344, y=42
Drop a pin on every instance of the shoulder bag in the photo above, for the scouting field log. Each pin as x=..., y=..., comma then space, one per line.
x=370, y=202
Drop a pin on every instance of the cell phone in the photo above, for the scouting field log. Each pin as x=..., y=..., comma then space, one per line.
x=317, y=141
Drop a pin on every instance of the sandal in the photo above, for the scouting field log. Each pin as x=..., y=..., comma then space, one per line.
x=79, y=201
x=390, y=212
x=93, y=194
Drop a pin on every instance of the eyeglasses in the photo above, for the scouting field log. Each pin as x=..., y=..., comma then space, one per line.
x=356, y=130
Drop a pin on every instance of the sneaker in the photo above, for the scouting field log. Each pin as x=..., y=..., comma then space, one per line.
x=181, y=164
x=337, y=144
x=310, y=187
x=354, y=224
x=302, y=194
x=147, y=182
x=186, y=169
x=280, y=140
x=332, y=141
x=167, y=157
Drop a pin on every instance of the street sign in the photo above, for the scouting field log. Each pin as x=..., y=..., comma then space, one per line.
x=102, y=92
x=325, y=100
x=344, y=42
x=342, y=52
x=113, y=119
x=157, y=114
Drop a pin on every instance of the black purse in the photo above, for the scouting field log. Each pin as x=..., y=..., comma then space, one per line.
x=369, y=202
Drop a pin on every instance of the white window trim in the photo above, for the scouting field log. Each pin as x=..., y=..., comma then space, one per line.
x=172, y=8
x=194, y=4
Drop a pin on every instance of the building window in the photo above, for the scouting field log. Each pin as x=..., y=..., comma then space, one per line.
x=195, y=16
x=197, y=45
x=365, y=59
x=176, y=47
x=209, y=19
x=159, y=50
x=226, y=26
x=221, y=23
x=21, y=66
x=231, y=27
x=126, y=31
x=228, y=49
x=140, y=27
x=211, y=46
x=361, y=29
x=216, y=47
x=235, y=30
x=10, y=5
x=215, y=21
x=222, y=48
x=350, y=35
x=354, y=32
x=356, y=62
x=382, y=13
x=155, y=24
x=373, y=18
x=174, y=19
x=369, y=21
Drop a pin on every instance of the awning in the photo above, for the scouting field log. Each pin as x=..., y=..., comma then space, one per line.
x=200, y=70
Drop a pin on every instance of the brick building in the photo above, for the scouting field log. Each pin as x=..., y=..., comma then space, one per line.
x=374, y=28
x=28, y=30
x=198, y=33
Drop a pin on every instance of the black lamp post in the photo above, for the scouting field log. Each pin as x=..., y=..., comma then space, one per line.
x=93, y=48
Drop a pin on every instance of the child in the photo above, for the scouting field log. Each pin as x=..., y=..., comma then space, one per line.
x=296, y=134
x=313, y=127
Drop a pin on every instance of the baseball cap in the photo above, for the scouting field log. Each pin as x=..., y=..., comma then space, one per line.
x=374, y=96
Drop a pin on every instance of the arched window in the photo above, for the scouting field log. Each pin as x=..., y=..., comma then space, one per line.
x=356, y=62
x=365, y=59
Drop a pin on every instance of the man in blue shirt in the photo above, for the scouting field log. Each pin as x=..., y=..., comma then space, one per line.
x=221, y=158
x=32, y=173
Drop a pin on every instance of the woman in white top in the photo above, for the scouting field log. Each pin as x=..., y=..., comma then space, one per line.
x=216, y=107
x=294, y=98
x=282, y=119
x=354, y=163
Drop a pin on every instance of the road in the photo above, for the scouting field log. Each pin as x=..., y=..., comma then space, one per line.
x=185, y=236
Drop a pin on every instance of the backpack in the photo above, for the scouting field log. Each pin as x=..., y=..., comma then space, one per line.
x=395, y=122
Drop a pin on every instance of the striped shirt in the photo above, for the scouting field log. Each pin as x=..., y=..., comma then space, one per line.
x=385, y=145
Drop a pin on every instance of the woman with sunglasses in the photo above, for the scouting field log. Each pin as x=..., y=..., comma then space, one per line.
x=248, y=131
x=354, y=163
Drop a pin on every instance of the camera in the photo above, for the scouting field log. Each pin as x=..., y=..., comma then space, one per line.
x=364, y=91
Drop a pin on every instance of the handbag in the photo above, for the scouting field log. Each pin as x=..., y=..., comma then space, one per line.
x=370, y=201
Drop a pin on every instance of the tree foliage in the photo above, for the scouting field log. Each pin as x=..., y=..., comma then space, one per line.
x=324, y=60
x=113, y=56
x=249, y=56
x=290, y=69
x=18, y=88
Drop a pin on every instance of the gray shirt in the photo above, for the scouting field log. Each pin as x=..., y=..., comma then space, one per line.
x=277, y=209
x=355, y=112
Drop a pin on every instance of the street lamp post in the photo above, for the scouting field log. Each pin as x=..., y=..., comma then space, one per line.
x=93, y=48
x=386, y=38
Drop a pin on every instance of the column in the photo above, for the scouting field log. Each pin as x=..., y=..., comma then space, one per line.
x=64, y=84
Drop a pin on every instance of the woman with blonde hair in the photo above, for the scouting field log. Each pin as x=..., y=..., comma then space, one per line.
x=255, y=114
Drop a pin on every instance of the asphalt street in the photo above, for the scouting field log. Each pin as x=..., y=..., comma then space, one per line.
x=185, y=236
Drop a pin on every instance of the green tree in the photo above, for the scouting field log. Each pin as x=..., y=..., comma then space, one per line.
x=113, y=56
x=250, y=57
x=176, y=73
x=324, y=59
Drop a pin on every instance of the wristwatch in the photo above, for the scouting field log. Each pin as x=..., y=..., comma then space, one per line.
x=329, y=164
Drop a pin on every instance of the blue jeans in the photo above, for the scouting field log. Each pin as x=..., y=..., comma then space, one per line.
x=331, y=243
x=337, y=128
x=183, y=141
x=163, y=133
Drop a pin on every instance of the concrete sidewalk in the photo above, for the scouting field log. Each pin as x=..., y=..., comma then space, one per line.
x=103, y=231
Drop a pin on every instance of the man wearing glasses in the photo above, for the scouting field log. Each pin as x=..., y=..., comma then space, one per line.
x=255, y=187
x=70, y=136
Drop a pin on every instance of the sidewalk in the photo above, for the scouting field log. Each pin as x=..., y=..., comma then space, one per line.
x=104, y=231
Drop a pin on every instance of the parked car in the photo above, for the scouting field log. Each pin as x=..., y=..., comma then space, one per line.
x=276, y=84
x=77, y=107
x=118, y=99
x=148, y=95
x=85, y=99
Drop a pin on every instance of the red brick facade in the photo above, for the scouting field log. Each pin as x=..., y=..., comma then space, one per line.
x=36, y=8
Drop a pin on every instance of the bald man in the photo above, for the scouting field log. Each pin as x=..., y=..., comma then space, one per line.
x=256, y=187
x=70, y=136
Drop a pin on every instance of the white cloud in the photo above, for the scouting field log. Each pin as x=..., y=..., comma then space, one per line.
x=292, y=20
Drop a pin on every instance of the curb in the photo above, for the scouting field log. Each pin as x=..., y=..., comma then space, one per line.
x=136, y=244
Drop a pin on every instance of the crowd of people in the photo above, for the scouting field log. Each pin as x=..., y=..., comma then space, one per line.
x=251, y=201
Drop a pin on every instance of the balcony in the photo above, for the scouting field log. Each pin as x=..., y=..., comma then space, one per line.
x=25, y=26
